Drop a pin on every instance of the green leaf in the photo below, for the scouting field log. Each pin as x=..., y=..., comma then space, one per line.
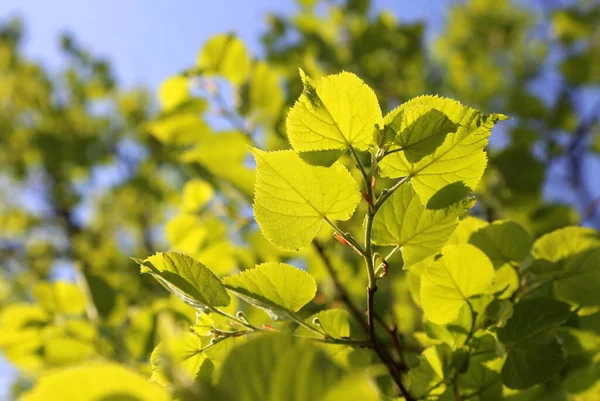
x=275, y=287
x=334, y=112
x=534, y=354
x=403, y=221
x=562, y=243
x=483, y=374
x=419, y=129
x=95, y=382
x=324, y=158
x=466, y=227
x=187, y=278
x=292, y=198
x=335, y=322
x=434, y=368
x=227, y=56
x=462, y=272
x=277, y=368
x=460, y=158
x=503, y=242
x=179, y=358
x=579, y=280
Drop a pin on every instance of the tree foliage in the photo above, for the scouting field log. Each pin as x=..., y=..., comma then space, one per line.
x=312, y=225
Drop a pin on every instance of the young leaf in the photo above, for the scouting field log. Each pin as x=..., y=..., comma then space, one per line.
x=276, y=287
x=460, y=159
x=447, y=284
x=93, y=382
x=334, y=112
x=187, y=278
x=227, y=56
x=403, y=221
x=534, y=354
x=419, y=129
x=292, y=197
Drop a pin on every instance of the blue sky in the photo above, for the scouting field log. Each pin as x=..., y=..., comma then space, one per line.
x=148, y=40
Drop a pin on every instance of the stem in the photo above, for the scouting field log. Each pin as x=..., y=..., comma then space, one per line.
x=386, y=194
x=307, y=326
x=362, y=170
x=235, y=319
x=368, y=255
x=473, y=321
x=347, y=236
x=381, y=352
x=341, y=290
x=90, y=308
x=339, y=341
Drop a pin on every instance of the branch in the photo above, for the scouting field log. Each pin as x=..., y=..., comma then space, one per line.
x=341, y=290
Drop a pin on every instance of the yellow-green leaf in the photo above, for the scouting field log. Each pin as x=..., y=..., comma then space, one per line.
x=462, y=272
x=460, y=159
x=334, y=112
x=94, y=382
x=173, y=92
x=292, y=198
x=227, y=56
x=403, y=221
x=187, y=278
x=275, y=287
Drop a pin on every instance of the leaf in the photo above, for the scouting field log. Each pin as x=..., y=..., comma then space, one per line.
x=460, y=158
x=277, y=368
x=403, y=221
x=503, y=242
x=462, y=272
x=266, y=95
x=433, y=370
x=534, y=354
x=95, y=382
x=60, y=297
x=224, y=154
x=419, y=129
x=275, y=287
x=466, y=227
x=335, y=322
x=180, y=357
x=334, y=112
x=564, y=242
x=173, y=92
x=227, y=56
x=292, y=198
x=579, y=280
x=196, y=194
x=187, y=278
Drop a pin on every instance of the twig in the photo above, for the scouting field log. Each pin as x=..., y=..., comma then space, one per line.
x=341, y=290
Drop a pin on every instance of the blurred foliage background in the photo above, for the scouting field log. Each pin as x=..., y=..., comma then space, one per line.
x=91, y=173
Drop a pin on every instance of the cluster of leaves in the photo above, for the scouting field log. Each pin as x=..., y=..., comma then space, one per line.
x=398, y=294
